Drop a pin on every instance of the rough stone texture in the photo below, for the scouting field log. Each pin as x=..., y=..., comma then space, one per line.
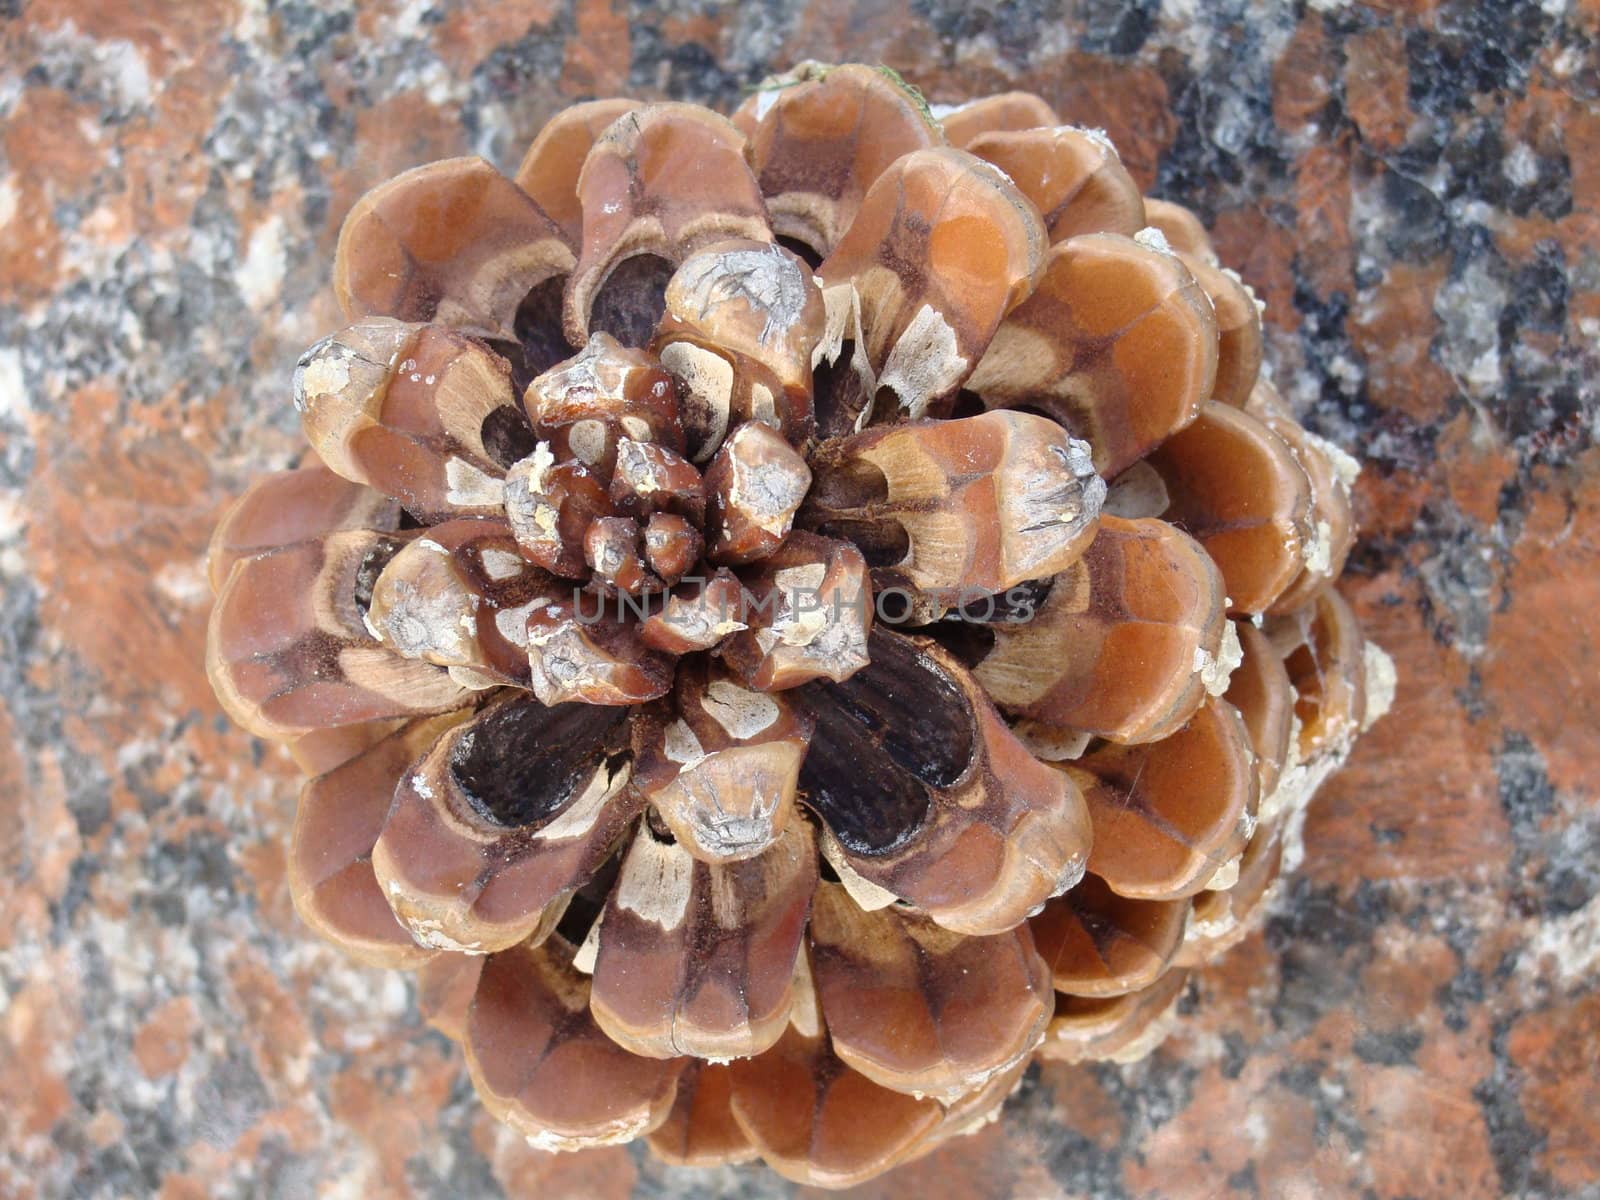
x=1414, y=189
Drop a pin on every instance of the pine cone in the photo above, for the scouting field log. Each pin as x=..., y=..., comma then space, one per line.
x=763, y=728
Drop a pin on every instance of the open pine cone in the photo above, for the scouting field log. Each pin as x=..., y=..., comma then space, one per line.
x=722, y=667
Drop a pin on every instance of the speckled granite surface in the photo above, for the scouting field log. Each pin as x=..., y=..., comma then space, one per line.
x=1414, y=189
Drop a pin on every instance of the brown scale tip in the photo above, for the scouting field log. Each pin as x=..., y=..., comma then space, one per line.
x=419, y=412
x=756, y=483
x=1183, y=230
x=1235, y=486
x=1073, y=176
x=672, y=544
x=701, y=1131
x=550, y=168
x=550, y=507
x=337, y=823
x=580, y=648
x=1117, y=342
x=720, y=763
x=504, y=816
x=1126, y=643
x=819, y=137
x=459, y=595
x=1325, y=655
x=614, y=549
x=943, y=247
x=1169, y=815
x=1006, y=112
x=288, y=651
x=1120, y=1029
x=920, y=1009
x=1239, y=345
x=695, y=958
x=541, y=1064
x=288, y=507
x=815, y=1121
x=1097, y=943
x=1222, y=918
x=454, y=242
x=585, y=406
x=1331, y=473
x=807, y=610
x=958, y=511
x=698, y=615
x=741, y=327
x=1260, y=689
x=643, y=214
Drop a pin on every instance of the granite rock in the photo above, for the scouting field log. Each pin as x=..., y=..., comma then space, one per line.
x=1414, y=189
